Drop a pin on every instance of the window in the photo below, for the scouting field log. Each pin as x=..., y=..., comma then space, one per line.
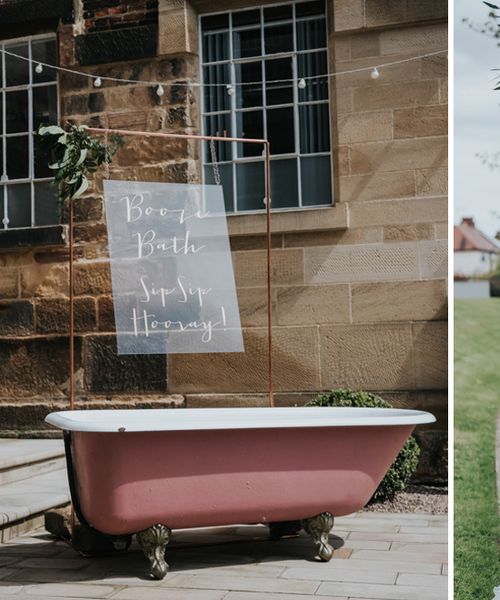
x=27, y=99
x=264, y=53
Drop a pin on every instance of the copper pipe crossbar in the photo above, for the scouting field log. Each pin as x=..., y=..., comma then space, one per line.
x=192, y=136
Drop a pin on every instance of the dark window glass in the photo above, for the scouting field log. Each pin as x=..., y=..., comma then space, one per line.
x=286, y=28
x=246, y=43
x=249, y=95
x=216, y=47
x=215, y=22
x=250, y=125
x=246, y=17
x=2, y=212
x=226, y=178
x=314, y=128
x=1, y=119
x=17, y=157
x=17, y=69
x=284, y=185
x=316, y=180
x=278, y=13
x=250, y=186
x=42, y=161
x=311, y=34
x=19, y=205
x=277, y=70
x=313, y=64
x=307, y=9
x=16, y=109
x=46, y=204
x=44, y=105
x=278, y=38
x=280, y=130
x=219, y=125
x=216, y=97
x=44, y=51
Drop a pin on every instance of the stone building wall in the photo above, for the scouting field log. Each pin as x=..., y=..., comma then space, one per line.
x=359, y=295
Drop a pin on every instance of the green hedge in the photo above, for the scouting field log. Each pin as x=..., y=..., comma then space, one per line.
x=406, y=462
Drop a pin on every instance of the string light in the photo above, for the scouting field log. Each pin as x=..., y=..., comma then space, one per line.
x=39, y=68
x=159, y=90
x=302, y=84
x=230, y=87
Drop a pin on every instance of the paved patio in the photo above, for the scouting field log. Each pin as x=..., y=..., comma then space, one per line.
x=378, y=556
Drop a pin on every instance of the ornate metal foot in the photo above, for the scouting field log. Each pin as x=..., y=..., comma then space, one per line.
x=283, y=529
x=153, y=542
x=318, y=528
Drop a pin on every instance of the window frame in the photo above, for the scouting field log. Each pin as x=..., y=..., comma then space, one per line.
x=233, y=111
x=28, y=87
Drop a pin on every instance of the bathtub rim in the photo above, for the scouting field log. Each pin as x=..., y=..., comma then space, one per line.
x=202, y=419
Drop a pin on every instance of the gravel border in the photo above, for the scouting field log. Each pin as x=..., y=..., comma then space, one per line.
x=415, y=499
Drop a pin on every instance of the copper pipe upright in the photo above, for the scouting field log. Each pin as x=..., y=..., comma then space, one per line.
x=71, y=312
x=269, y=275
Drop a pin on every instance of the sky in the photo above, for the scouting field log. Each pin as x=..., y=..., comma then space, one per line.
x=477, y=119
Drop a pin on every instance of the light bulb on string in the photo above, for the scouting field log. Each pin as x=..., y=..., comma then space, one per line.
x=302, y=83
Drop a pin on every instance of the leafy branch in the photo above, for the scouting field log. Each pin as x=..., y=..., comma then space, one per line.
x=75, y=154
x=489, y=27
x=492, y=161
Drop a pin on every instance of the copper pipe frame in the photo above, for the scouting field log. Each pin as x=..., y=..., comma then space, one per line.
x=71, y=312
x=192, y=136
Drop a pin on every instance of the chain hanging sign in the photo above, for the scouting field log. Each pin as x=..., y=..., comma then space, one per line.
x=171, y=268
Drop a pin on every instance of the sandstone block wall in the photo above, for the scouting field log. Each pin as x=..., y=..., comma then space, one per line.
x=359, y=289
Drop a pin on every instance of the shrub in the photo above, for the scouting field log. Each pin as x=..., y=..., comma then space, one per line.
x=406, y=462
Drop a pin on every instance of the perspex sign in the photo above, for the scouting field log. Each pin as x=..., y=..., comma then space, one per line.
x=171, y=269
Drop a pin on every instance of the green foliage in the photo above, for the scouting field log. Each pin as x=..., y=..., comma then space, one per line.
x=75, y=154
x=477, y=409
x=344, y=397
x=405, y=465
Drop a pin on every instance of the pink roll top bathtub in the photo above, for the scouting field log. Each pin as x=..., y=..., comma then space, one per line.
x=150, y=471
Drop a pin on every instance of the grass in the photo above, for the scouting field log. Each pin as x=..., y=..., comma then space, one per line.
x=477, y=406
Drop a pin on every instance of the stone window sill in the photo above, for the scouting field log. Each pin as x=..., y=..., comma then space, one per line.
x=290, y=221
x=29, y=237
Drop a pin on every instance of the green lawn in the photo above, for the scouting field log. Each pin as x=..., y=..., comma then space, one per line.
x=477, y=404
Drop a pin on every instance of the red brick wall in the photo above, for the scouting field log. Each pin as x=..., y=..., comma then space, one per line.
x=112, y=14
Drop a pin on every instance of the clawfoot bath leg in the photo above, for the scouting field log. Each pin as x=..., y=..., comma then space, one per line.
x=153, y=542
x=318, y=528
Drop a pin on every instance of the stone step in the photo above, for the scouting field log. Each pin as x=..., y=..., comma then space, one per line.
x=22, y=459
x=23, y=503
x=32, y=480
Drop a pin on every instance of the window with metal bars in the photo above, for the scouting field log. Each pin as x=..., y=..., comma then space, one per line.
x=273, y=58
x=28, y=98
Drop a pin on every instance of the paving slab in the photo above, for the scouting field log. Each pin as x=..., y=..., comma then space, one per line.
x=241, y=563
x=63, y=590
